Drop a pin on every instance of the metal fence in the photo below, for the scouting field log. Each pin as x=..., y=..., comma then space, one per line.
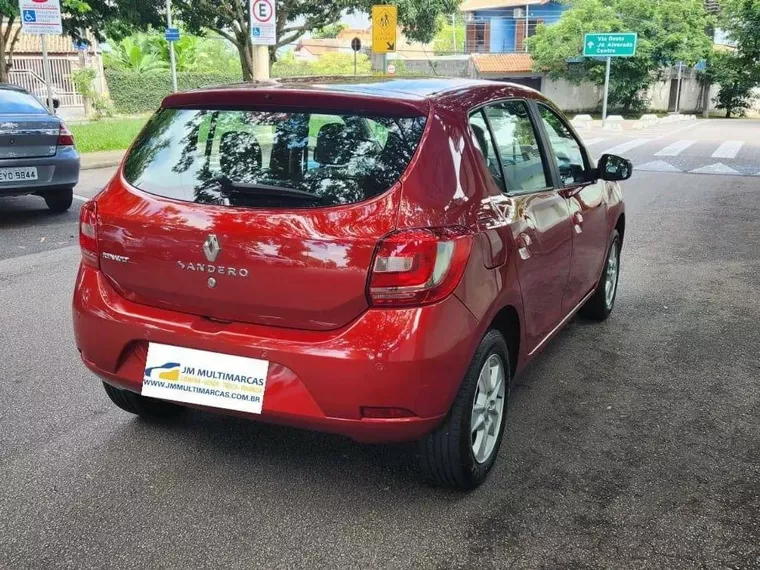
x=28, y=73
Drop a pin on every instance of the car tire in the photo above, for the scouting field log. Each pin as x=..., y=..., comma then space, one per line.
x=146, y=408
x=600, y=305
x=447, y=455
x=59, y=201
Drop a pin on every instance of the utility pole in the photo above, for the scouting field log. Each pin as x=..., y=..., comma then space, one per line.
x=172, y=56
x=47, y=74
x=606, y=91
x=678, y=90
x=454, y=30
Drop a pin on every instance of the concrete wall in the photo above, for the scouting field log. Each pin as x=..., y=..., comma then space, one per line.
x=570, y=97
x=691, y=92
x=446, y=66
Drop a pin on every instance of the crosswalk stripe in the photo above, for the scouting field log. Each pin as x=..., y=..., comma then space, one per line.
x=657, y=166
x=728, y=149
x=676, y=148
x=626, y=146
x=717, y=168
x=589, y=142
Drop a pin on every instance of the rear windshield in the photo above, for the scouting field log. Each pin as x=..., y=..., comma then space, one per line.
x=271, y=159
x=19, y=103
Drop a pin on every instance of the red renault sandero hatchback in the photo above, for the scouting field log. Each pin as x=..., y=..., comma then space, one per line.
x=376, y=260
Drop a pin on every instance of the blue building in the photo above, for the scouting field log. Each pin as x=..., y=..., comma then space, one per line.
x=502, y=26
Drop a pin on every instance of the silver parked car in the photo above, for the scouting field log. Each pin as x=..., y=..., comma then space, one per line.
x=37, y=153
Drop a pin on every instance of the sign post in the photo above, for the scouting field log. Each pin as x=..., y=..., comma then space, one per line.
x=263, y=34
x=42, y=17
x=356, y=45
x=172, y=35
x=608, y=46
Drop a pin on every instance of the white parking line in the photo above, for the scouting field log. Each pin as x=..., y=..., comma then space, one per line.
x=626, y=146
x=82, y=198
x=675, y=149
x=589, y=142
x=728, y=149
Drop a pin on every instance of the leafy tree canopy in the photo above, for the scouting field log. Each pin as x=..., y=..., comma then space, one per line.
x=737, y=72
x=419, y=19
x=443, y=43
x=669, y=31
x=741, y=19
x=736, y=79
x=330, y=31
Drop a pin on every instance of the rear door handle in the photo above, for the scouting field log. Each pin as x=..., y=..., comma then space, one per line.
x=523, y=246
x=578, y=222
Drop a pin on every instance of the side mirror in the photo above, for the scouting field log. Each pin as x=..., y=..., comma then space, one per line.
x=615, y=168
x=56, y=103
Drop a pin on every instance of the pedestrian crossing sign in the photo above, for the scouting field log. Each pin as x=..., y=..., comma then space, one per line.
x=384, y=24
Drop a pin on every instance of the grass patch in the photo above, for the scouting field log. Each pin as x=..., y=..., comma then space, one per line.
x=108, y=134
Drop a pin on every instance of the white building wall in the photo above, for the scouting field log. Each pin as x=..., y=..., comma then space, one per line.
x=571, y=97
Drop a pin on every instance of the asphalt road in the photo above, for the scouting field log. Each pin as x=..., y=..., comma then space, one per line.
x=27, y=226
x=630, y=444
x=715, y=146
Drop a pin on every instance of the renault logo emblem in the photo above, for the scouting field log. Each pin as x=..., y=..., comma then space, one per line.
x=211, y=248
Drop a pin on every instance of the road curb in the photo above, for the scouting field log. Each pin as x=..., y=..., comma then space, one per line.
x=99, y=164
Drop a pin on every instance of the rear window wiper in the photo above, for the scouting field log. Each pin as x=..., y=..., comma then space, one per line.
x=265, y=190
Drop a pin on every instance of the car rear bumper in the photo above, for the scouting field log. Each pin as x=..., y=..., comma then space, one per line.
x=406, y=358
x=54, y=172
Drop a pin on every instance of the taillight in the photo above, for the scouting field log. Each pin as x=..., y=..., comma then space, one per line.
x=88, y=235
x=65, y=136
x=419, y=267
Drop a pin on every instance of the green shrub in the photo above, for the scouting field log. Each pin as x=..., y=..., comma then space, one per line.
x=143, y=92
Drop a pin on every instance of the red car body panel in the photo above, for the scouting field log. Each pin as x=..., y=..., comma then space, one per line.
x=307, y=313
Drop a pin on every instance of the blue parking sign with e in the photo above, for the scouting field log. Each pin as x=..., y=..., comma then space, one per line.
x=30, y=15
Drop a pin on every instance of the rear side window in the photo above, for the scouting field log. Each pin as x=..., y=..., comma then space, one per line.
x=517, y=142
x=271, y=159
x=19, y=103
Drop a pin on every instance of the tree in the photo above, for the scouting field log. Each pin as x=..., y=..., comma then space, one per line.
x=79, y=16
x=135, y=53
x=736, y=78
x=198, y=54
x=331, y=63
x=741, y=19
x=669, y=31
x=330, y=31
x=443, y=43
x=737, y=72
x=229, y=18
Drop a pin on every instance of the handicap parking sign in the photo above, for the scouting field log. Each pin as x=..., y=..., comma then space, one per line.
x=30, y=16
x=256, y=32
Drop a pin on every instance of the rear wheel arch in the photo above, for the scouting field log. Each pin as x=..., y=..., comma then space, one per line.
x=507, y=322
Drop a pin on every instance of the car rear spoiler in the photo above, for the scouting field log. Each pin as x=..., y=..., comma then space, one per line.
x=296, y=95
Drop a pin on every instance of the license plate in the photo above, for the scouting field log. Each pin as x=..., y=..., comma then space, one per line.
x=21, y=174
x=205, y=378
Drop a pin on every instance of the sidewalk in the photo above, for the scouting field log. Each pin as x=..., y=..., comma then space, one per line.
x=92, y=160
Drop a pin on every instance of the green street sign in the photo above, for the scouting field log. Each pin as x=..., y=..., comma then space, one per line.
x=610, y=45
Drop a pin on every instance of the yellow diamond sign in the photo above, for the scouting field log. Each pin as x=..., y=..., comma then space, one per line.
x=384, y=23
